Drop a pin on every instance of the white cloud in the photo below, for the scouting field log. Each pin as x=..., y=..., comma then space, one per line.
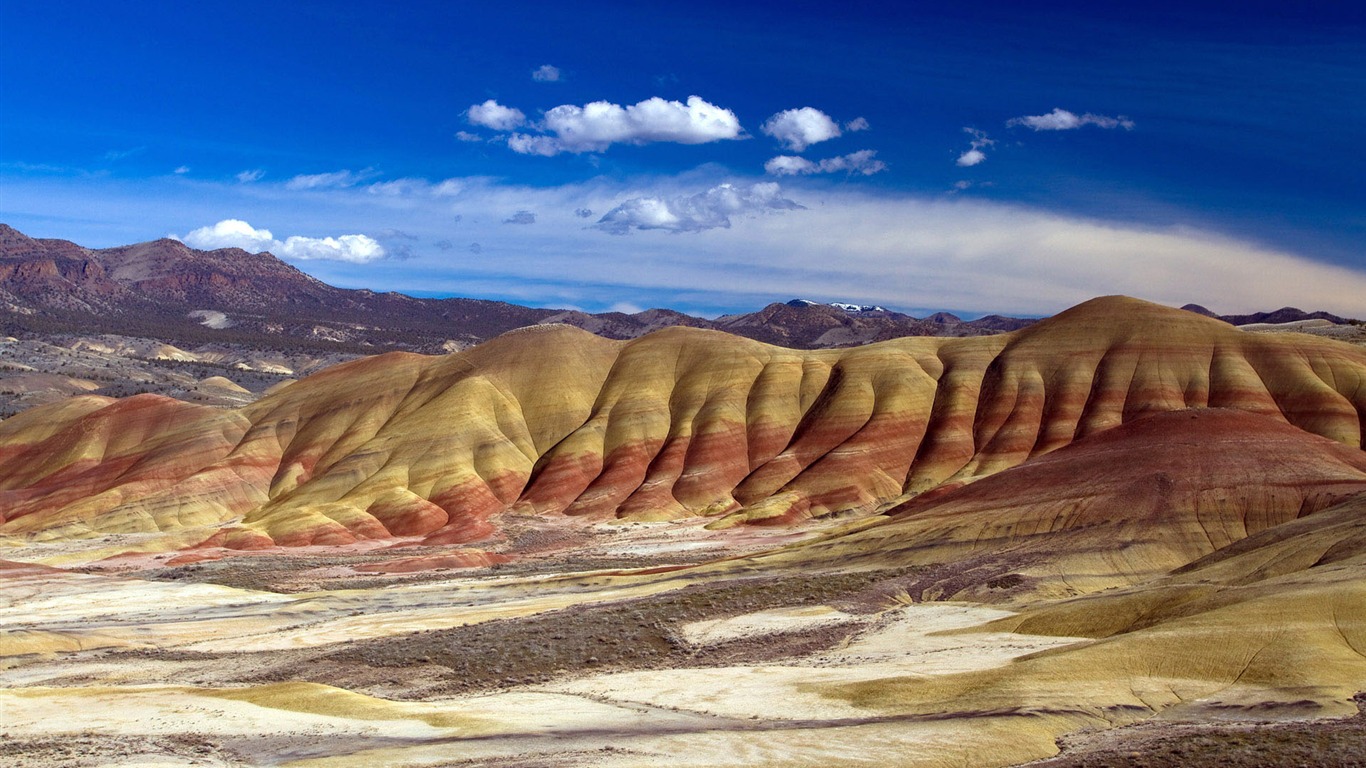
x=448, y=188
x=333, y=180
x=863, y=162
x=789, y=165
x=467, y=136
x=974, y=154
x=231, y=233
x=493, y=115
x=971, y=157
x=596, y=126
x=235, y=233
x=181, y=170
x=247, y=177
x=397, y=187
x=857, y=124
x=357, y=249
x=546, y=74
x=798, y=129
x=526, y=144
x=1062, y=120
x=695, y=213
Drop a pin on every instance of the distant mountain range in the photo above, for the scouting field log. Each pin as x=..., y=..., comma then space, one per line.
x=166, y=290
x=1282, y=315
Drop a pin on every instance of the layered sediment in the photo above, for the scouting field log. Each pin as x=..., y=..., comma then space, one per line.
x=681, y=423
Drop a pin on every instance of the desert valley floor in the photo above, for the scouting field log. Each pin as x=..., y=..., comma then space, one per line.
x=1127, y=531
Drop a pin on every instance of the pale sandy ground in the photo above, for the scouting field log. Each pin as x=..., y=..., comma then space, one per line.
x=54, y=686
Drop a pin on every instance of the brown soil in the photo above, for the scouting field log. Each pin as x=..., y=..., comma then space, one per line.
x=640, y=633
x=81, y=750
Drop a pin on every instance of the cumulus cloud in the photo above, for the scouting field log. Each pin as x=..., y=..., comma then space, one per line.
x=1062, y=120
x=857, y=124
x=247, y=177
x=971, y=157
x=546, y=74
x=493, y=115
x=521, y=217
x=798, y=129
x=695, y=213
x=526, y=144
x=974, y=153
x=863, y=163
x=235, y=233
x=357, y=249
x=181, y=170
x=231, y=233
x=596, y=126
x=467, y=136
x=333, y=180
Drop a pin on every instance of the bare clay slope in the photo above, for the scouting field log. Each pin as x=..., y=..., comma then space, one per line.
x=682, y=422
x=1115, y=509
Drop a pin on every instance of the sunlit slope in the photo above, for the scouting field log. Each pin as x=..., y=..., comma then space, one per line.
x=1272, y=626
x=683, y=422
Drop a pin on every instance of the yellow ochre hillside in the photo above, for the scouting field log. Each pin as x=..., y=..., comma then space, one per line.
x=552, y=420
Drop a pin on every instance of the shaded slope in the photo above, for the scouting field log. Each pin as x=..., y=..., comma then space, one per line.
x=1117, y=508
x=679, y=423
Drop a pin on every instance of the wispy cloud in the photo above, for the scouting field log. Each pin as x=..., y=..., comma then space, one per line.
x=333, y=180
x=863, y=163
x=869, y=246
x=235, y=233
x=974, y=154
x=181, y=170
x=711, y=209
x=247, y=177
x=857, y=124
x=114, y=155
x=467, y=136
x=598, y=125
x=798, y=129
x=546, y=74
x=1062, y=120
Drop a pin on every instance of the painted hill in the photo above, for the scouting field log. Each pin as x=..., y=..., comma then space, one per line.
x=680, y=423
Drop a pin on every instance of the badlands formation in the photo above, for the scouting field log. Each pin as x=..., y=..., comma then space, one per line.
x=694, y=548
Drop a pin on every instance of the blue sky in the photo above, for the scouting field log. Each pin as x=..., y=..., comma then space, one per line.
x=711, y=157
